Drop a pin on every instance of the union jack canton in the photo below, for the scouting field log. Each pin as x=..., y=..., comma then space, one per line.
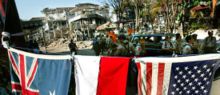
x=31, y=74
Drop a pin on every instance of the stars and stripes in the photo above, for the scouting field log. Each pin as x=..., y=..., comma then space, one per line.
x=180, y=76
x=195, y=80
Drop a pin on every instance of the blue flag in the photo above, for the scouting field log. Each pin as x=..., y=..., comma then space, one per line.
x=33, y=74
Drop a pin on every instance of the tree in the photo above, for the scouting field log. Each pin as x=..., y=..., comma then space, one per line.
x=138, y=8
x=153, y=8
x=118, y=7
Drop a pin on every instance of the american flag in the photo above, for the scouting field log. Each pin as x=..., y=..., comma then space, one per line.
x=176, y=76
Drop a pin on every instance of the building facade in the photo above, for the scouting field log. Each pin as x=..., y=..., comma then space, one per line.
x=31, y=27
x=83, y=17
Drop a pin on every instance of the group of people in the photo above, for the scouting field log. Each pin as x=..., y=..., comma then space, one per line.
x=191, y=45
x=104, y=45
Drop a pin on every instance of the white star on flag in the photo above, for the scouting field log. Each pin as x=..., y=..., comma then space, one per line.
x=177, y=68
x=195, y=67
x=205, y=66
x=186, y=68
x=190, y=72
x=52, y=93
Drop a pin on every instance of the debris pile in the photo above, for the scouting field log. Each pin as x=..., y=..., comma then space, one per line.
x=63, y=43
x=84, y=44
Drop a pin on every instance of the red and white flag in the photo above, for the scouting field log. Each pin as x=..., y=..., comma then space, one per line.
x=97, y=75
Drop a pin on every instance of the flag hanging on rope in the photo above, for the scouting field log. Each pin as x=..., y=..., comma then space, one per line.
x=97, y=75
x=33, y=74
x=176, y=76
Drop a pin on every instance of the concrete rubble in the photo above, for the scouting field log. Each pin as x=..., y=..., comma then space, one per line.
x=61, y=45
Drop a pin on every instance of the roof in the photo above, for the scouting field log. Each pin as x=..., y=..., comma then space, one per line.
x=86, y=4
x=36, y=18
x=86, y=16
x=83, y=8
x=107, y=25
x=57, y=9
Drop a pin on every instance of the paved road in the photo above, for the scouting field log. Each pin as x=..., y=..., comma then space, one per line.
x=215, y=90
x=86, y=52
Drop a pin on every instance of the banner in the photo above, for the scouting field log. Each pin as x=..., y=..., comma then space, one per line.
x=33, y=74
x=176, y=76
x=97, y=75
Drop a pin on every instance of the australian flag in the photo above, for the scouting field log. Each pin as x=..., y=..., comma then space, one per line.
x=33, y=74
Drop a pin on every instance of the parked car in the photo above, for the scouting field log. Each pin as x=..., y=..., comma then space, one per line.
x=218, y=46
x=153, y=43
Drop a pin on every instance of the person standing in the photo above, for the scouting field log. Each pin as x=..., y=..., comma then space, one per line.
x=210, y=43
x=138, y=50
x=31, y=44
x=178, y=44
x=167, y=46
x=95, y=44
x=36, y=48
x=73, y=47
x=102, y=44
x=195, y=44
x=187, y=47
x=121, y=50
x=108, y=41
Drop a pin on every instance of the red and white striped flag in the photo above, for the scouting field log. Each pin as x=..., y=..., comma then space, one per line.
x=152, y=77
x=97, y=75
x=176, y=76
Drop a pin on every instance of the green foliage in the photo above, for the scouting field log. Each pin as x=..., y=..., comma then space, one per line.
x=196, y=25
x=179, y=16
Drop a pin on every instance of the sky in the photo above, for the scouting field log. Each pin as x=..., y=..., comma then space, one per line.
x=32, y=8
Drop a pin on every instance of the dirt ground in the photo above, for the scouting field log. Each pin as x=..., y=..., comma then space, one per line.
x=84, y=48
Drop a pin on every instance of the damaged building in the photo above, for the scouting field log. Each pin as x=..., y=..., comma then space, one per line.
x=83, y=18
x=86, y=17
x=66, y=22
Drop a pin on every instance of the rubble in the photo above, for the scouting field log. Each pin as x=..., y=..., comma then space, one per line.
x=61, y=45
x=84, y=44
